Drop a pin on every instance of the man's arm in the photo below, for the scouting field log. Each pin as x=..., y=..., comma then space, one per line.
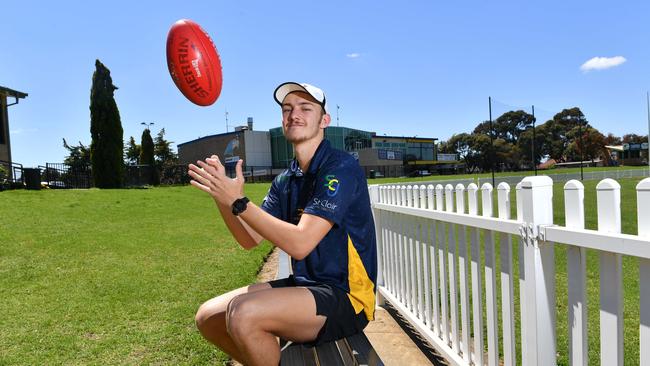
x=244, y=234
x=297, y=240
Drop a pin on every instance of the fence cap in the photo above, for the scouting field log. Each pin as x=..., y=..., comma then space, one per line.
x=538, y=181
x=574, y=185
x=503, y=186
x=608, y=184
x=643, y=185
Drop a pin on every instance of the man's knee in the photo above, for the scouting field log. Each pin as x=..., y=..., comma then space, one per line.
x=241, y=317
x=208, y=314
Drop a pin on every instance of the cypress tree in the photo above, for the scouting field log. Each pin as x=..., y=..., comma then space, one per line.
x=107, y=145
x=146, y=148
x=147, y=157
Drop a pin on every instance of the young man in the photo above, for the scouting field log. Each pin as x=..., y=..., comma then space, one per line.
x=317, y=211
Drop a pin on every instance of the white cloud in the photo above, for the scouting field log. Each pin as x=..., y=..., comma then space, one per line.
x=602, y=63
x=353, y=55
x=22, y=130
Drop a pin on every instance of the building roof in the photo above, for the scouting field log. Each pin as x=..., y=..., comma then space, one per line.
x=14, y=93
x=411, y=138
x=211, y=136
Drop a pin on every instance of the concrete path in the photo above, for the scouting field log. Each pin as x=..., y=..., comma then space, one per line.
x=391, y=343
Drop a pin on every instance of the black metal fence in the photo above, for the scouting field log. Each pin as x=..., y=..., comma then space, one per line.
x=381, y=171
x=59, y=175
x=11, y=174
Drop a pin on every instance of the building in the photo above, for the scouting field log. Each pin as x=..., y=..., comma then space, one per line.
x=342, y=138
x=392, y=156
x=244, y=143
x=5, y=142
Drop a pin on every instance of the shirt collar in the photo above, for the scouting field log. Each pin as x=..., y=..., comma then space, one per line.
x=316, y=161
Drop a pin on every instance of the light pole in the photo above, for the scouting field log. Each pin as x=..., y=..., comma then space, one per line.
x=647, y=95
x=581, y=158
x=147, y=124
x=533, y=144
x=337, y=115
x=491, y=141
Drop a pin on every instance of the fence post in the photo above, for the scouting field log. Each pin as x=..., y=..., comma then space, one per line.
x=522, y=272
x=507, y=288
x=463, y=274
x=475, y=250
x=539, y=273
x=608, y=193
x=490, y=279
x=643, y=212
x=442, y=260
x=453, y=282
x=577, y=275
x=373, y=191
x=433, y=256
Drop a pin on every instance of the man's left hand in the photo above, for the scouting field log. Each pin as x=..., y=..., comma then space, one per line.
x=210, y=177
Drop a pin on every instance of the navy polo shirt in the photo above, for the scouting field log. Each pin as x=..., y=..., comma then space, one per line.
x=334, y=188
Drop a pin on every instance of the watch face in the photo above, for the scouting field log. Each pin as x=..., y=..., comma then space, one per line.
x=239, y=205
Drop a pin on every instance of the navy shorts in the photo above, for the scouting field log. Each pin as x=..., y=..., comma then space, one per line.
x=333, y=303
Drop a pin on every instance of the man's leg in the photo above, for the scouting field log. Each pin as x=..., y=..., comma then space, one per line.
x=255, y=319
x=211, y=319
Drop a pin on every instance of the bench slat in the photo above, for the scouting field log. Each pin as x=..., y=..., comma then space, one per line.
x=363, y=351
x=328, y=354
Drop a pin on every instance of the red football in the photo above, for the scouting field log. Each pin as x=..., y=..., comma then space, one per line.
x=193, y=62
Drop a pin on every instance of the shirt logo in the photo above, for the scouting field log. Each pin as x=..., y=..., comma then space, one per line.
x=332, y=185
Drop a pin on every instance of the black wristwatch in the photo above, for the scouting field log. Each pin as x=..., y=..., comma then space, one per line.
x=239, y=205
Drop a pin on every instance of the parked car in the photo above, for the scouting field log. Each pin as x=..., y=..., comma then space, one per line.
x=375, y=174
x=420, y=173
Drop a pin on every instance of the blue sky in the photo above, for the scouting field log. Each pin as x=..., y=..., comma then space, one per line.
x=409, y=68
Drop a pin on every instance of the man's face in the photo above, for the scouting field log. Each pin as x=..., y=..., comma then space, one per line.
x=302, y=117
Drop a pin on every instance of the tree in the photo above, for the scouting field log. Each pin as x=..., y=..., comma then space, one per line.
x=632, y=138
x=132, y=151
x=147, y=157
x=511, y=124
x=146, y=148
x=163, y=150
x=107, y=146
x=460, y=144
x=590, y=146
x=612, y=140
x=525, y=146
x=555, y=132
x=78, y=156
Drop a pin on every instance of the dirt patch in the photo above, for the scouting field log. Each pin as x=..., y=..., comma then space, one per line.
x=270, y=267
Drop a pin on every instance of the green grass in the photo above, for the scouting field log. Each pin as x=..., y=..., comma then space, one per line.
x=502, y=174
x=114, y=276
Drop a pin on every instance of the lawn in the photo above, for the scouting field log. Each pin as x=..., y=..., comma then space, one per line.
x=503, y=174
x=114, y=276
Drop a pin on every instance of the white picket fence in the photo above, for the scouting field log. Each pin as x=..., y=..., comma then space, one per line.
x=427, y=274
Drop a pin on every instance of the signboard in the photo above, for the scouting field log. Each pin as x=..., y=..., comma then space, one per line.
x=231, y=159
x=446, y=157
x=389, y=154
x=644, y=146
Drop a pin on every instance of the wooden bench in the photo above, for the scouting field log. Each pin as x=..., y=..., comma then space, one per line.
x=354, y=350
